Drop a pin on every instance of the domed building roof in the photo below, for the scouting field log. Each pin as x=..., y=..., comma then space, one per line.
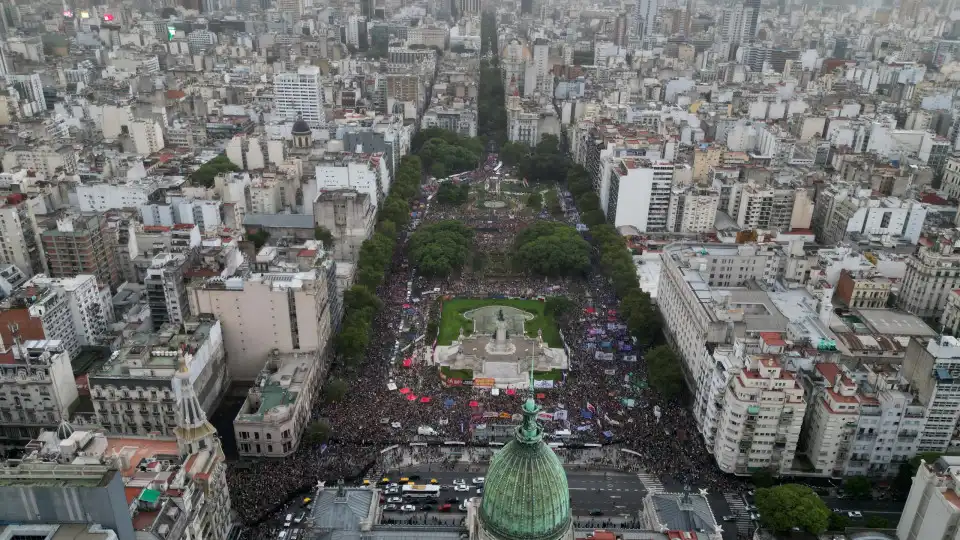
x=300, y=128
x=525, y=495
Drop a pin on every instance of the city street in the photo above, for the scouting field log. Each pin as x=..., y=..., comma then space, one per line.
x=614, y=493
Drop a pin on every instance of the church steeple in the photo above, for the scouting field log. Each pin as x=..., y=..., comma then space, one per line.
x=194, y=432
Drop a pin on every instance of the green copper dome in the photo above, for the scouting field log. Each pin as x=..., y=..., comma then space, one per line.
x=526, y=496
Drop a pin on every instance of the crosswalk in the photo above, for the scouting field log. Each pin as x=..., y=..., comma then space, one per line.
x=738, y=508
x=651, y=482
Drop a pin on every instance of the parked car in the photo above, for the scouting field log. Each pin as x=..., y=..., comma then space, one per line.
x=390, y=508
x=289, y=518
x=408, y=508
x=462, y=507
x=426, y=508
x=479, y=491
x=446, y=507
x=479, y=480
x=395, y=500
x=596, y=512
x=453, y=500
x=854, y=514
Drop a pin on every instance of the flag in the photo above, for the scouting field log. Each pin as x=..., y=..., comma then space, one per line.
x=591, y=408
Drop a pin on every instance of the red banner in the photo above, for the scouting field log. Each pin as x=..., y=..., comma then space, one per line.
x=454, y=382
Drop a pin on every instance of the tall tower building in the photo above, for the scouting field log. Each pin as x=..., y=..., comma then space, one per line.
x=299, y=94
x=644, y=17
x=751, y=10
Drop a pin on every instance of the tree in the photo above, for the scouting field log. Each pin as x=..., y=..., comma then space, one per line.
x=513, y=153
x=663, y=371
x=259, y=238
x=552, y=202
x=208, y=172
x=352, y=341
x=762, y=479
x=558, y=305
x=335, y=390
x=552, y=249
x=535, y=200
x=453, y=193
x=324, y=235
x=318, y=432
x=838, y=522
x=792, y=505
x=396, y=210
x=858, y=487
x=592, y=218
x=877, y=522
x=642, y=316
x=441, y=248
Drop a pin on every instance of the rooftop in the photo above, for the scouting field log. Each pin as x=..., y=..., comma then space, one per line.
x=157, y=354
x=895, y=323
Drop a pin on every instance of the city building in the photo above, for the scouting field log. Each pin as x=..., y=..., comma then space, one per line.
x=90, y=305
x=81, y=244
x=645, y=187
x=137, y=390
x=350, y=216
x=931, y=274
x=860, y=290
x=692, y=209
x=299, y=95
x=37, y=389
x=932, y=369
x=20, y=236
x=166, y=289
x=272, y=419
x=39, y=313
x=296, y=303
x=762, y=415
x=933, y=505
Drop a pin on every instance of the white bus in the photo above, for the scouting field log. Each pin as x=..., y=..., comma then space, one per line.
x=419, y=491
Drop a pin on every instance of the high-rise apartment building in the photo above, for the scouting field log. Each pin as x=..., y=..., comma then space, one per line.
x=640, y=193
x=20, y=236
x=933, y=505
x=762, y=414
x=932, y=368
x=166, y=290
x=294, y=307
x=90, y=304
x=644, y=18
x=81, y=244
x=299, y=94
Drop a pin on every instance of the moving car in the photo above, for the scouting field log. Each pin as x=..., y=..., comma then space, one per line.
x=453, y=500
x=433, y=481
x=596, y=512
x=462, y=507
x=390, y=508
x=459, y=481
x=754, y=516
x=479, y=480
x=408, y=508
x=728, y=519
x=395, y=500
x=446, y=507
x=854, y=515
x=289, y=518
x=480, y=491
x=461, y=487
x=426, y=508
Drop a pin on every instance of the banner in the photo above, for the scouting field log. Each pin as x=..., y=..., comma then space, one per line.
x=545, y=416
x=491, y=414
x=560, y=414
x=630, y=358
x=543, y=384
x=454, y=382
x=505, y=415
x=609, y=372
x=484, y=383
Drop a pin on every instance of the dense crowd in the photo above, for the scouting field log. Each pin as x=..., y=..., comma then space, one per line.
x=600, y=402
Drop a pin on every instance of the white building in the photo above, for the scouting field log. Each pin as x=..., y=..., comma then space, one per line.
x=933, y=505
x=102, y=196
x=364, y=173
x=147, y=136
x=299, y=94
x=762, y=415
x=90, y=304
x=20, y=237
x=933, y=370
x=204, y=214
x=37, y=387
x=692, y=209
x=929, y=278
x=640, y=193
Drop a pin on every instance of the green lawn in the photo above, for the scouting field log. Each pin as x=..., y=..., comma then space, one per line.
x=452, y=319
x=464, y=374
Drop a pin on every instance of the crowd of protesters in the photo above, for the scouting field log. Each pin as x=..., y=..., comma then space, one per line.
x=397, y=390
